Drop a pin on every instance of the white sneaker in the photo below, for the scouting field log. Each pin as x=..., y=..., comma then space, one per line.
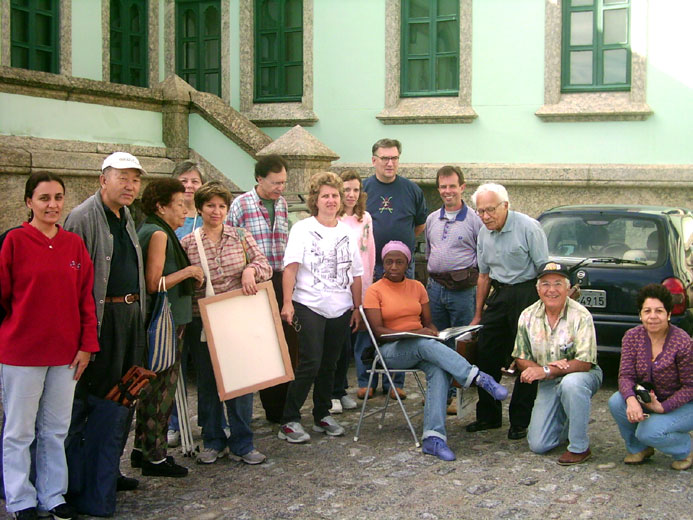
x=348, y=403
x=293, y=432
x=210, y=456
x=336, y=406
x=329, y=426
x=173, y=438
x=252, y=457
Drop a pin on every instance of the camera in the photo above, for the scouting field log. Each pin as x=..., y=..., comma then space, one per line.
x=642, y=391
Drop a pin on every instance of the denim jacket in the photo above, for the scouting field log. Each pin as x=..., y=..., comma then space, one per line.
x=88, y=220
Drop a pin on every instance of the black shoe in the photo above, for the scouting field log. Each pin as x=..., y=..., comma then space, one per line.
x=63, y=512
x=168, y=468
x=517, y=432
x=136, y=458
x=29, y=513
x=124, y=483
x=478, y=426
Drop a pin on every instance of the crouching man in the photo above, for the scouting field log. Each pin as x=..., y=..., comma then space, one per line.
x=556, y=345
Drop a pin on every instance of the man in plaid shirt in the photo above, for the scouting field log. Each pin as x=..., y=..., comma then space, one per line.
x=263, y=212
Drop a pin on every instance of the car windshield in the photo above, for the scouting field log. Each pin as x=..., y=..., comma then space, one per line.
x=600, y=235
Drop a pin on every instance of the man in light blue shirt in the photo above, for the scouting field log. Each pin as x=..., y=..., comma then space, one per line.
x=511, y=249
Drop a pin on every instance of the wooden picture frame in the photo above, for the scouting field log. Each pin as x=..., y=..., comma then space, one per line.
x=246, y=341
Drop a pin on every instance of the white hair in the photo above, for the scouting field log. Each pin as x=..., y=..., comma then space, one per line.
x=492, y=187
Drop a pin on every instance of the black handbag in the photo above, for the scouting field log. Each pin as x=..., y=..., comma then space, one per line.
x=93, y=446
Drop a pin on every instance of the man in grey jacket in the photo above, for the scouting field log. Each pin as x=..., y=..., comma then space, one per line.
x=108, y=230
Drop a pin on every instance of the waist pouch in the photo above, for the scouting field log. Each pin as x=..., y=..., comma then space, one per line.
x=457, y=280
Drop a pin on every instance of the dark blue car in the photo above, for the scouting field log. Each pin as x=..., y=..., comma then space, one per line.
x=614, y=251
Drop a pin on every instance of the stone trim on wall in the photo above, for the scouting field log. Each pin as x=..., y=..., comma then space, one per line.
x=152, y=41
x=68, y=88
x=594, y=106
x=426, y=110
x=275, y=114
x=534, y=188
x=65, y=47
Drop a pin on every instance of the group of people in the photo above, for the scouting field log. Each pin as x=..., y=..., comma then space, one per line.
x=93, y=281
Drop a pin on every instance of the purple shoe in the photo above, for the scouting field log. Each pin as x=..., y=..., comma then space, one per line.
x=437, y=447
x=486, y=382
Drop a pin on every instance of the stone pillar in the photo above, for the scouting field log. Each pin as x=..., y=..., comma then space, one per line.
x=176, y=109
x=305, y=155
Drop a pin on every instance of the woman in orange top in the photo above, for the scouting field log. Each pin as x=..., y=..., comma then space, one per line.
x=397, y=304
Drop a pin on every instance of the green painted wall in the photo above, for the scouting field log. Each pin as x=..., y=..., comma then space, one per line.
x=223, y=153
x=507, y=88
x=55, y=119
x=86, y=39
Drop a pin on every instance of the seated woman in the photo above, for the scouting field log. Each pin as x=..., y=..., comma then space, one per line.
x=661, y=354
x=397, y=304
x=234, y=261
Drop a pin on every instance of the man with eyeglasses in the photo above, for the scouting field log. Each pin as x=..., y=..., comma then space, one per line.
x=511, y=249
x=556, y=345
x=264, y=213
x=398, y=209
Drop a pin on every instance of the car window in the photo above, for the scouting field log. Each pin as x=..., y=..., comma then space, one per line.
x=602, y=235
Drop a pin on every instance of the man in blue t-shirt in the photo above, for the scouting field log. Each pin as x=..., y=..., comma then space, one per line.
x=398, y=209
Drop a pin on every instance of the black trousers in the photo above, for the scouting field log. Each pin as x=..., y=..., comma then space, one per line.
x=496, y=342
x=273, y=398
x=320, y=342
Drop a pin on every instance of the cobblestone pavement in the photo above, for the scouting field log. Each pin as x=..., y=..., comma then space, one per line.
x=383, y=476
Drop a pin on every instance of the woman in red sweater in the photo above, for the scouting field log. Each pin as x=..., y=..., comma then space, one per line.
x=46, y=340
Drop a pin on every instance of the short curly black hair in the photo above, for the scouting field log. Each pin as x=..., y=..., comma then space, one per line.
x=657, y=291
x=161, y=192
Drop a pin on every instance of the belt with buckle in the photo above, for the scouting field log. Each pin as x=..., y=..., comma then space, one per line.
x=128, y=298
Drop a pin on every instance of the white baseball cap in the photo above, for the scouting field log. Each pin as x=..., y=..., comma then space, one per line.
x=121, y=161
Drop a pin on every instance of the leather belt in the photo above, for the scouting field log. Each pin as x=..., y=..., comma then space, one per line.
x=128, y=298
x=498, y=285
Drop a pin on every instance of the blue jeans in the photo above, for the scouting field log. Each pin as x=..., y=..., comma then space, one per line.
x=441, y=365
x=210, y=409
x=37, y=402
x=666, y=432
x=450, y=308
x=562, y=411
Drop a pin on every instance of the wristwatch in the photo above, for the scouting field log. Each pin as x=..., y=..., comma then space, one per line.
x=547, y=370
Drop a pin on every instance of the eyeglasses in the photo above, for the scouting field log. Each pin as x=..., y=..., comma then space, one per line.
x=295, y=324
x=386, y=160
x=556, y=285
x=489, y=211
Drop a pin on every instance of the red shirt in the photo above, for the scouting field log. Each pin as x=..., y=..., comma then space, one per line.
x=46, y=290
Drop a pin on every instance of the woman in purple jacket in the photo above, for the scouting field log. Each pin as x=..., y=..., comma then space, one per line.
x=661, y=354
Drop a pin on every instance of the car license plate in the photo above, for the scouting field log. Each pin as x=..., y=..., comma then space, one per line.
x=592, y=298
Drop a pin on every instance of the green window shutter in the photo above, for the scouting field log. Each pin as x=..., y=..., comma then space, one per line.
x=129, y=45
x=596, y=54
x=198, y=44
x=278, y=51
x=34, y=35
x=430, y=48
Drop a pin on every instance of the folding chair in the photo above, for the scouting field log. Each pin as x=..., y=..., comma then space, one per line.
x=379, y=367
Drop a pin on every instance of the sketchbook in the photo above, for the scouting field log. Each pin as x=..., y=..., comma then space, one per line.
x=443, y=335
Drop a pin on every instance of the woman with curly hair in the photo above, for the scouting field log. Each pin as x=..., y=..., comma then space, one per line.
x=322, y=294
x=164, y=260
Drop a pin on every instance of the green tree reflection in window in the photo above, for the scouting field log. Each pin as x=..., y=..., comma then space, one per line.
x=129, y=42
x=430, y=48
x=34, y=35
x=596, y=54
x=198, y=44
x=278, y=50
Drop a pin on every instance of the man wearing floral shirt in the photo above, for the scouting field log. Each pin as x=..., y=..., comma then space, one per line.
x=556, y=345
